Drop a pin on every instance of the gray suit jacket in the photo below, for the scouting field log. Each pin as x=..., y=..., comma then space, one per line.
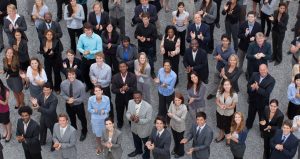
x=162, y=144
x=144, y=126
x=68, y=141
x=202, y=144
x=116, y=140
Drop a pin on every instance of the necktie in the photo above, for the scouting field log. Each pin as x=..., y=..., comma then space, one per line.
x=197, y=28
x=49, y=26
x=197, y=133
x=71, y=90
x=144, y=9
x=283, y=139
x=157, y=136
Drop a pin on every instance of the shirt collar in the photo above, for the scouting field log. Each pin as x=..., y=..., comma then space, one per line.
x=201, y=126
x=27, y=122
x=160, y=132
x=17, y=16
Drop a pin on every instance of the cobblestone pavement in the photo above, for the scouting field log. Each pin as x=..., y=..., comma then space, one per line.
x=86, y=149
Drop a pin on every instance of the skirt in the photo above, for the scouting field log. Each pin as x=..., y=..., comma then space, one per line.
x=224, y=122
x=4, y=118
x=293, y=110
x=35, y=91
x=15, y=84
x=98, y=126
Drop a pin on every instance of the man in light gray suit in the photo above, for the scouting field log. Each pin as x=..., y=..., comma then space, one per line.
x=64, y=138
x=139, y=113
x=202, y=136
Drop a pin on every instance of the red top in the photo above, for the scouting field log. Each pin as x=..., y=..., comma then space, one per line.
x=3, y=108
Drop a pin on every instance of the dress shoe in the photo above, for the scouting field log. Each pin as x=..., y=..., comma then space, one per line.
x=293, y=29
x=132, y=25
x=128, y=1
x=276, y=63
x=1, y=49
x=133, y=154
x=82, y=137
x=218, y=25
x=160, y=36
x=120, y=126
x=210, y=96
x=58, y=19
x=219, y=140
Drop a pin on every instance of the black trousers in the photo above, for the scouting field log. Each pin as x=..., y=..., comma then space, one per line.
x=43, y=129
x=73, y=33
x=277, y=40
x=267, y=148
x=210, y=46
x=55, y=65
x=78, y=110
x=85, y=10
x=121, y=102
x=59, y=4
x=178, y=147
x=237, y=157
x=106, y=91
x=218, y=10
x=139, y=143
x=265, y=18
x=112, y=61
x=164, y=103
x=85, y=70
x=253, y=108
x=182, y=42
x=29, y=155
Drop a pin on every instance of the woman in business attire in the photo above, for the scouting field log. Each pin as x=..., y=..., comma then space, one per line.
x=142, y=71
x=21, y=49
x=208, y=10
x=166, y=79
x=293, y=95
x=98, y=18
x=13, y=79
x=74, y=16
x=266, y=11
x=117, y=14
x=271, y=120
x=111, y=140
x=226, y=102
x=127, y=52
x=99, y=107
x=196, y=92
x=280, y=21
x=238, y=135
x=177, y=113
x=72, y=62
x=35, y=77
x=110, y=41
x=232, y=10
x=170, y=48
x=180, y=21
x=232, y=72
x=4, y=112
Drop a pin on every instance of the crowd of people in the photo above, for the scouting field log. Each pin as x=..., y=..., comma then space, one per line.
x=102, y=60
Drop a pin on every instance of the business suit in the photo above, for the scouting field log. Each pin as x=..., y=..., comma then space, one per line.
x=116, y=149
x=48, y=114
x=200, y=64
x=32, y=146
x=104, y=20
x=151, y=10
x=245, y=40
x=23, y=54
x=204, y=29
x=3, y=5
x=20, y=22
x=289, y=146
x=141, y=130
x=122, y=99
x=55, y=26
x=275, y=123
x=161, y=145
x=132, y=54
x=67, y=140
x=201, y=142
x=258, y=99
x=76, y=62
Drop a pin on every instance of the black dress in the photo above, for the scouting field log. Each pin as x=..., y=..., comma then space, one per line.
x=169, y=46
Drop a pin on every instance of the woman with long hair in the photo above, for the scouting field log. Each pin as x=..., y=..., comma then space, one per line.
x=293, y=94
x=196, y=91
x=117, y=14
x=4, y=112
x=142, y=71
x=99, y=107
x=20, y=47
x=74, y=16
x=14, y=81
x=238, y=135
x=226, y=102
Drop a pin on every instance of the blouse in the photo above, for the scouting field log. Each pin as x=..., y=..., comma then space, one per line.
x=199, y=100
x=144, y=77
x=41, y=13
x=228, y=101
x=177, y=121
x=40, y=76
x=76, y=21
x=291, y=93
x=168, y=79
x=180, y=26
x=103, y=105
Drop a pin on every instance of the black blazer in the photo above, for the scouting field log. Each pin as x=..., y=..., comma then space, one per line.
x=55, y=26
x=57, y=48
x=104, y=21
x=280, y=26
x=139, y=9
x=162, y=145
x=22, y=50
x=204, y=29
x=115, y=41
x=275, y=123
x=200, y=65
x=76, y=62
x=289, y=146
x=48, y=109
x=3, y=5
x=117, y=83
x=20, y=22
x=262, y=95
x=31, y=136
x=245, y=40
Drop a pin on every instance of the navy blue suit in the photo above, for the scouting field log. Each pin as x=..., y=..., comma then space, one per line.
x=204, y=29
x=289, y=146
x=139, y=9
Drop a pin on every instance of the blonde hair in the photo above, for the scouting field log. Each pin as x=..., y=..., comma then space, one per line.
x=142, y=70
x=98, y=3
x=236, y=59
x=259, y=35
x=12, y=7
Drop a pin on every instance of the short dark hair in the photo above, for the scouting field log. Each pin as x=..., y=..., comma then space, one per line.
x=63, y=115
x=71, y=71
x=287, y=123
x=145, y=15
x=47, y=85
x=48, y=13
x=25, y=109
x=168, y=61
x=162, y=119
x=87, y=25
x=123, y=62
x=252, y=12
x=226, y=37
x=109, y=119
x=126, y=38
x=274, y=101
x=71, y=52
x=201, y=114
x=138, y=92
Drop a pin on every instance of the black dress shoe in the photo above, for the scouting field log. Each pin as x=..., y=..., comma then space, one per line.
x=219, y=140
x=133, y=154
x=276, y=63
x=218, y=25
x=128, y=1
x=82, y=137
x=120, y=126
x=132, y=25
x=1, y=49
x=177, y=156
x=210, y=96
x=58, y=19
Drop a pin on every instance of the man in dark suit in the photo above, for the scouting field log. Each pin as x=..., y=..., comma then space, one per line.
x=198, y=31
x=284, y=143
x=101, y=26
x=160, y=140
x=195, y=59
x=46, y=103
x=3, y=13
x=202, y=136
x=144, y=7
x=246, y=34
x=259, y=88
x=27, y=133
x=123, y=85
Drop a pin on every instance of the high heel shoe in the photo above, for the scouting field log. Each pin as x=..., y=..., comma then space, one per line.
x=7, y=140
x=3, y=137
x=217, y=141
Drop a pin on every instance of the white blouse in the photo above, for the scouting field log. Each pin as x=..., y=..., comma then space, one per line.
x=41, y=76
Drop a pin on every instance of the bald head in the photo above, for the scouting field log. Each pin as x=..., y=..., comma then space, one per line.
x=263, y=70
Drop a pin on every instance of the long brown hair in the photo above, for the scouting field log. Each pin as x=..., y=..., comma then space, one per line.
x=234, y=126
x=142, y=70
x=203, y=5
x=40, y=67
x=15, y=60
x=190, y=83
x=222, y=90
